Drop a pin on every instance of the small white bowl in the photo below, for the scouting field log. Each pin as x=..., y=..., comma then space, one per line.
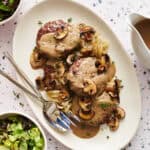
x=13, y=15
x=10, y=113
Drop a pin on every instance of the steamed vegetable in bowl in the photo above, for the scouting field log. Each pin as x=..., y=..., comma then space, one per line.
x=19, y=133
x=7, y=8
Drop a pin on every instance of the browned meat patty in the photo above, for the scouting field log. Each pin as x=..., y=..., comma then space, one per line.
x=50, y=27
x=57, y=38
x=103, y=109
x=84, y=78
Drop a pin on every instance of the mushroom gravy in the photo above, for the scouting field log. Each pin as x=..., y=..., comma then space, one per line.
x=143, y=28
x=79, y=75
x=85, y=131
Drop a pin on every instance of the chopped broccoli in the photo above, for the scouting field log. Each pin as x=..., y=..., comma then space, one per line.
x=18, y=133
x=7, y=8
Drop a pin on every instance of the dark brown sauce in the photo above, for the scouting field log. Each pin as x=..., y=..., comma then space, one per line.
x=82, y=130
x=85, y=131
x=144, y=29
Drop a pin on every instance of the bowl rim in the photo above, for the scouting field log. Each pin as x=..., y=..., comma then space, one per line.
x=13, y=15
x=19, y=113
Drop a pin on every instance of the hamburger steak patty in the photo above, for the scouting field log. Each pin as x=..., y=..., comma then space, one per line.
x=57, y=38
x=50, y=27
x=84, y=70
x=101, y=114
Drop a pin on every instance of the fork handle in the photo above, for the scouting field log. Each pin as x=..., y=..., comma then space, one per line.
x=22, y=87
x=22, y=74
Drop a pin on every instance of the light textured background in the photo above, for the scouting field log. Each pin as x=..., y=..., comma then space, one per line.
x=114, y=13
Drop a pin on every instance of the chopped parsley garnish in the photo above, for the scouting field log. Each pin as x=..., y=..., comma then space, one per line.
x=105, y=105
x=21, y=104
x=69, y=20
x=83, y=126
x=40, y=22
x=17, y=95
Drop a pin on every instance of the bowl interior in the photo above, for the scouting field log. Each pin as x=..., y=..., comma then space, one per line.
x=8, y=114
x=13, y=15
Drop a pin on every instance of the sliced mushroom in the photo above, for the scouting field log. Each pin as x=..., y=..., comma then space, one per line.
x=110, y=87
x=53, y=93
x=86, y=32
x=61, y=32
x=86, y=36
x=120, y=113
x=70, y=59
x=101, y=69
x=103, y=63
x=85, y=28
x=112, y=94
x=85, y=104
x=86, y=115
x=89, y=87
x=115, y=93
x=113, y=89
x=105, y=59
x=113, y=124
x=63, y=95
x=36, y=59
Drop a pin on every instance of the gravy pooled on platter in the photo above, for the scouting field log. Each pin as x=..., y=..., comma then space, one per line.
x=85, y=131
x=143, y=28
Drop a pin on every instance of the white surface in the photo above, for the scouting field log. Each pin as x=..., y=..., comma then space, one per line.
x=114, y=12
x=25, y=40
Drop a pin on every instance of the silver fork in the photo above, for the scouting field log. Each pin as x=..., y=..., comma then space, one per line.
x=59, y=120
